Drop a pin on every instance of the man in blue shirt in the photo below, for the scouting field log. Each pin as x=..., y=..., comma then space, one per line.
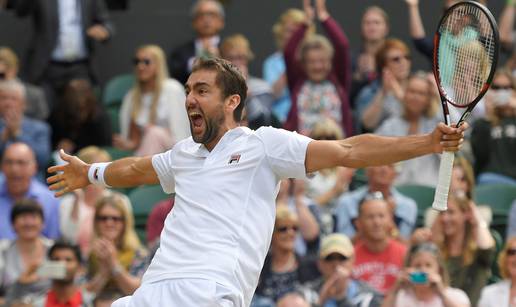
x=380, y=179
x=19, y=167
x=15, y=127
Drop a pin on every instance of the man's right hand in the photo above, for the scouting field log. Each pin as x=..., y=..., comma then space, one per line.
x=70, y=176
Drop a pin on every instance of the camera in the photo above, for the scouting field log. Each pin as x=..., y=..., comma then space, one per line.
x=418, y=277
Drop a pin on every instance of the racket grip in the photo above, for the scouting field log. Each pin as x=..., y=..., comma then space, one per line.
x=443, y=185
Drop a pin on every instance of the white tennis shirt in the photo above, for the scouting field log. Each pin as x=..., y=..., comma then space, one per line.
x=221, y=225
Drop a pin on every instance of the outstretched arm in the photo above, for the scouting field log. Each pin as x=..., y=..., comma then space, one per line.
x=371, y=150
x=506, y=24
x=417, y=31
x=127, y=172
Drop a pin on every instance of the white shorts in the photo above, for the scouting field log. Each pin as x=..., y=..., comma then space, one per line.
x=182, y=293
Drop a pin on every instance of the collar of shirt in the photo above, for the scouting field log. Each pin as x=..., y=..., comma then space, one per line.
x=201, y=151
x=214, y=41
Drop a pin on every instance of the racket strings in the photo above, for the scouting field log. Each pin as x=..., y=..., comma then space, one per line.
x=465, y=55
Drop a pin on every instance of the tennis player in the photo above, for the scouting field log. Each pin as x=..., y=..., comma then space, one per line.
x=225, y=178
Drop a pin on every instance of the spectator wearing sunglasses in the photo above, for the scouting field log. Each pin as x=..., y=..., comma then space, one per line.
x=382, y=98
x=284, y=270
x=502, y=293
x=493, y=139
x=114, y=265
x=337, y=287
x=153, y=114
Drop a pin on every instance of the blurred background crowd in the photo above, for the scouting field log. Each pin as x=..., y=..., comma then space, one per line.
x=344, y=237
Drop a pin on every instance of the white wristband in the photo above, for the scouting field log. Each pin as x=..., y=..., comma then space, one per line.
x=96, y=174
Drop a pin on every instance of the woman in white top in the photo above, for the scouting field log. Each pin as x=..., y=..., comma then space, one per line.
x=424, y=282
x=153, y=114
x=503, y=293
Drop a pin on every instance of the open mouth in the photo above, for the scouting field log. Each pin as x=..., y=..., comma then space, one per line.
x=196, y=119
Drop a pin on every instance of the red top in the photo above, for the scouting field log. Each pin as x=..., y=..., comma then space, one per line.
x=74, y=301
x=156, y=219
x=379, y=270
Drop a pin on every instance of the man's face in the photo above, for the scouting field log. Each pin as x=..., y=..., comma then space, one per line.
x=18, y=166
x=72, y=264
x=207, y=20
x=11, y=100
x=333, y=262
x=204, y=105
x=381, y=176
x=374, y=220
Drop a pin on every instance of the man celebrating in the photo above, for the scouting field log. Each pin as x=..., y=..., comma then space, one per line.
x=225, y=179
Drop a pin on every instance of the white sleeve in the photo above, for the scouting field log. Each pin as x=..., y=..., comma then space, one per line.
x=68, y=226
x=285, y=151
x=162, y=164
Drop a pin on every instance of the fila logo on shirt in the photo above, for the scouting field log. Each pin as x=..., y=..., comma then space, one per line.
x=234, y=159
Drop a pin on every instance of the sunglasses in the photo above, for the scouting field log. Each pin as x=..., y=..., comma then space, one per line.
x=105, y=218
x=284, y=229
x=501, y=87
x=144, y=61
x=398, y=58
x=335, y=257
x=511, y=252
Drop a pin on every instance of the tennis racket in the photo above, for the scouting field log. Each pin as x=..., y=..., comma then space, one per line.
x=465, y=57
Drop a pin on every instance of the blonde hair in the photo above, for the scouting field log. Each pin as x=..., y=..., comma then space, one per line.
x=8, y=57
x=236, y=41
x=502, y=258
x=463, y=163
x=291, y=15
x=314, y=42
x=158, y=56
x=129, y=239
x=469, y=247
x=326, y=127
x=433, y=104
x=283, y=213
x=93, y=154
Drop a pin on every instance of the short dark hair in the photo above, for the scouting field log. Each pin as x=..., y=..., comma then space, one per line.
x=229, y=79
x=26, y=206
x=63, y=244
x=374, y=195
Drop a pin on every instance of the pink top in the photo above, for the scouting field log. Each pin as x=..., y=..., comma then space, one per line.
x=407, y=298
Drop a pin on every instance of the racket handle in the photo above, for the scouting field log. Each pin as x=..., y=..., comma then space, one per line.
x=443, y=185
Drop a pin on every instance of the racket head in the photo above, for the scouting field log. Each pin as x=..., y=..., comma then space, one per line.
x=465, y=57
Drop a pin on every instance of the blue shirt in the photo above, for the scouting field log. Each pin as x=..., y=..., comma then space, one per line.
x=347, y=210
x=36, y=134
x=45, y=198
x=273, y=68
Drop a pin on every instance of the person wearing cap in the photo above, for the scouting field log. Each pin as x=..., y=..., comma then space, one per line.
x=337, y=287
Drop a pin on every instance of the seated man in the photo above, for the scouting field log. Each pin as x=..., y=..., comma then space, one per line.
x=19, y=168
x=380, y=178
x=337, y=287
x=15, y=127
x=379, y=258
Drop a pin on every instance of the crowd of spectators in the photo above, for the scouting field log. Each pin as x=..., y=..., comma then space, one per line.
x=337, y=241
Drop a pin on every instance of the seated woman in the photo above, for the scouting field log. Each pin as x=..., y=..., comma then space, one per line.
x=284, y=270
x=325, y=187
x=502, y=293
x=466, y=245
x=115, y=263
x=318, y=74
x=382, y=98
x=493, y=139
x=20, y=258
x=79, y=120
x=153, y=114
x=424, y=281
x=418, y=117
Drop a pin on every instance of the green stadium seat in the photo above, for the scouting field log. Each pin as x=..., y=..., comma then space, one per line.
x=143, y=200
x=499, y=198
x=114, y=117
x=424, y=197
x=116, y=88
